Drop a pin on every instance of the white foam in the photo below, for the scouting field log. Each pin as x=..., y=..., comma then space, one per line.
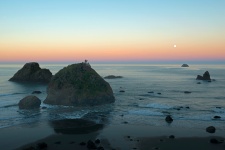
x=157, y=105
x=145, y=112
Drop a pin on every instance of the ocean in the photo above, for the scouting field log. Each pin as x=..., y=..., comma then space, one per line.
x=152, y=91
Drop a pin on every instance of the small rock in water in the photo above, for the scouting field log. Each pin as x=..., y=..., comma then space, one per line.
x=122, y=91
x=211, y=129
x=187, y=107
x=187, y=92
x=206, y=76
x=199, y=83
x=125, y=122
x=29, y=102
x=159, y=93
x=151, y=92
x=216, y=117
x=43, y=107
x=169, y=119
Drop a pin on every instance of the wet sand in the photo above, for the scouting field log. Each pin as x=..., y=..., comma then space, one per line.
x=127, y=137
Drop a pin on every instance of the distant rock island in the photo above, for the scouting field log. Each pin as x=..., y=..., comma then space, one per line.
x=78, y=84
x=185, y=65
x=206, y=76
x=112, y=77
x=33, y=73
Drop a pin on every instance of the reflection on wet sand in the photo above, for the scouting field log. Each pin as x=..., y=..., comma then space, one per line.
x=75, y=126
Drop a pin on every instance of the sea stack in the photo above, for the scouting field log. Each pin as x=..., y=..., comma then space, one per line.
x=206, y=76
x=31, y=72
x=78, y=85
x=185, y=65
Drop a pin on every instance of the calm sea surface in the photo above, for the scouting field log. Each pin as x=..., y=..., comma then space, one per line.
x=151, y=93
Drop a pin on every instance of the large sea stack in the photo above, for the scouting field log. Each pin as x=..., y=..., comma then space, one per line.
x=31, y=72
x=78, y=84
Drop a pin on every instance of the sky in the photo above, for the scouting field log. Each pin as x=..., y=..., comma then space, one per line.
x=112, y=30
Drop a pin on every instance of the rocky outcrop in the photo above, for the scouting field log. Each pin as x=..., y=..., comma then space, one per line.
x=33, y=73
x=206, y=76
x=112, y=77
x=185, y=65
x=29, y=102
x=76, y=85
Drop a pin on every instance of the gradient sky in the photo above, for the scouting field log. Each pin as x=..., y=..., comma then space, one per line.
x=112, y=30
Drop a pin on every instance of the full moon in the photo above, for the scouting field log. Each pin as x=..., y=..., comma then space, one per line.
x=174, y=46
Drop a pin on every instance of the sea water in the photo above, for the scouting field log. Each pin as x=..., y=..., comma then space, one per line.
x=151, y=93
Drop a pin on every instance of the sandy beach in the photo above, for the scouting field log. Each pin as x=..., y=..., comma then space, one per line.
x=125, y=137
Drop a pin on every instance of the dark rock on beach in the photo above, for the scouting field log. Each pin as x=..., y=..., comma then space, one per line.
x=31, y=72
x=112, y=77
x=206, y=76
x=169, y=119
x=91, y=145
x=216, y=117
x=42, y=145
x=185, y=65
x=211, y=129
x=78, y=84
x=29, y=102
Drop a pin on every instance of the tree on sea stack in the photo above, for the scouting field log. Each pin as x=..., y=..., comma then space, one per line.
x=77, y=85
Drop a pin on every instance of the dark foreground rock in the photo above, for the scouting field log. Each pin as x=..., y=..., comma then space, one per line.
x=185, y=65
x=33, y=73
x=206, y=76
x=76, y=85
x=29, y=102
x=112, y=77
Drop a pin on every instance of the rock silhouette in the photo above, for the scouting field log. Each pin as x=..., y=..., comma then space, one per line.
x=206, y=76
x=31, y=72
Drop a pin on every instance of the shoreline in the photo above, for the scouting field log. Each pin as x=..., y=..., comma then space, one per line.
x=126, y=137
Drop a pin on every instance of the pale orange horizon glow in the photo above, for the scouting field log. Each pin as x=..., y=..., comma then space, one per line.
x=111, y=31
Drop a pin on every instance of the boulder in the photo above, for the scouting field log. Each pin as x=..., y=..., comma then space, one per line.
x=169, y=119
x=77, y=85
x=211, y=129
x=112, y=77
x=33, y=73
x=29, y=102
x=206, y=76
x=185, y=65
